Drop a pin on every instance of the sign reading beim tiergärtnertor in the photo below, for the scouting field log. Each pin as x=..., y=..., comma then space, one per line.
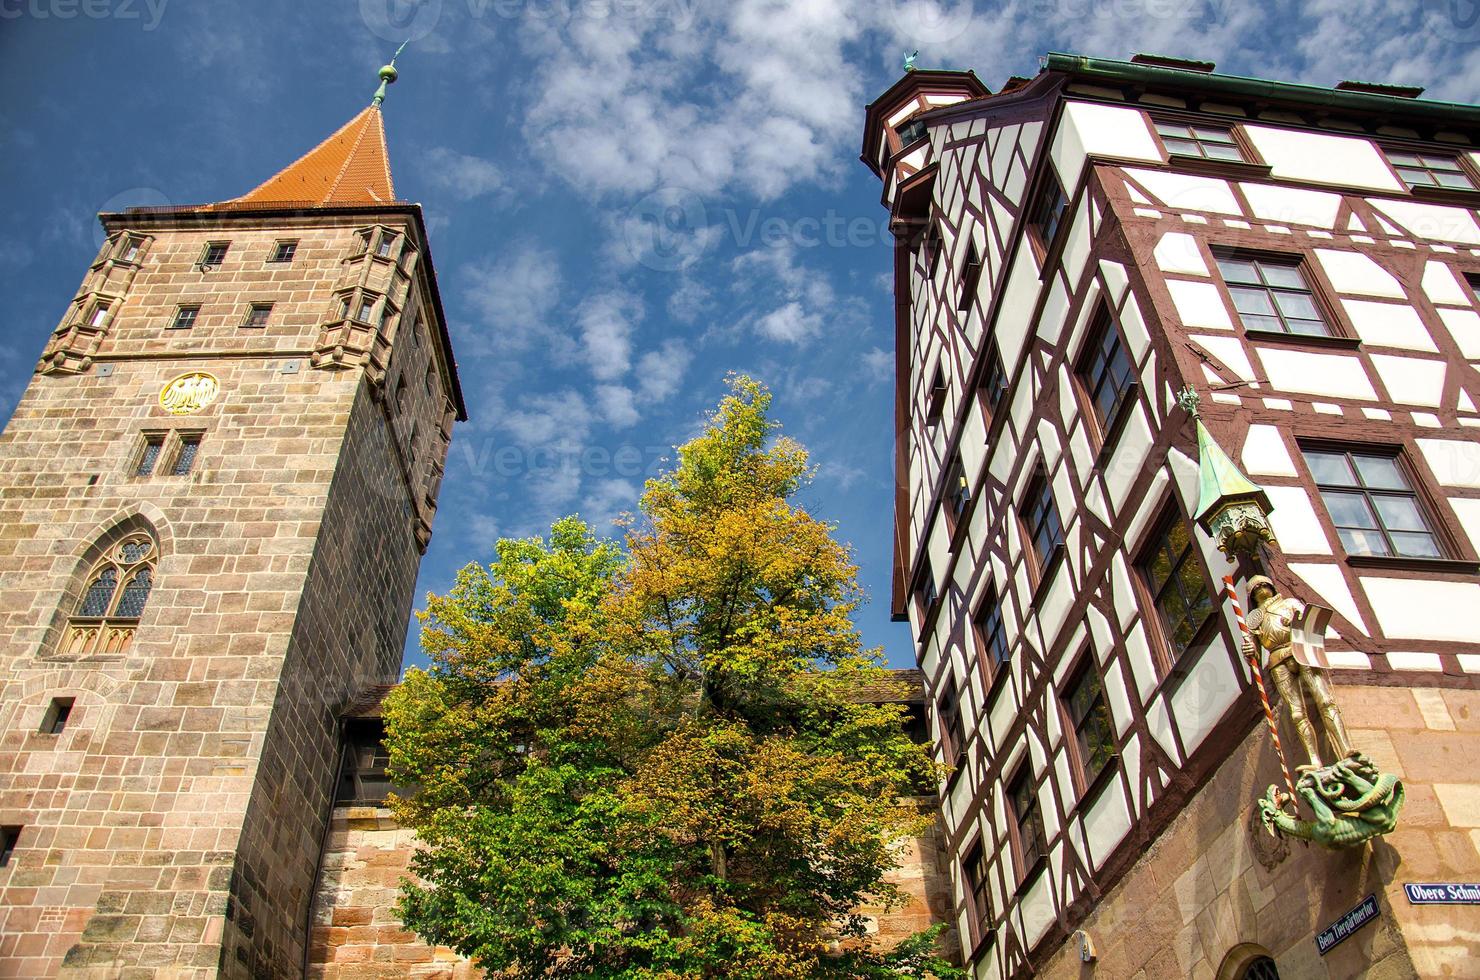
x=1331, y=936
x=1442, y=893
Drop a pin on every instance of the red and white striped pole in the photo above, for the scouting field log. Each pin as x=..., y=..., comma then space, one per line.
x=1274, y=731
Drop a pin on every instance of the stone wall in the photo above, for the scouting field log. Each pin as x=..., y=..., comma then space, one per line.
x=1214, y=883
x=356, y=935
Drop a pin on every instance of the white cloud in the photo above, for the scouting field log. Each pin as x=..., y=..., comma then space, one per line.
x=618, y=405
x=802, y=300
x=790, y=323
x=606, y=322
x=661, y=371
x=514, y=295
x=607, y=500
x=878, y=364
x=691, y=299
x=459, y=175
x=559, y=419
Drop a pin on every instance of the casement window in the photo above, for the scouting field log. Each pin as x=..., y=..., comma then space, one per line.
x=1046, y=214
x=363, y=776
x=930, y=248
x=1371, y=499
x=911, y=130
x=9, y=837
x=214, y=254
x=1174, y=575
x=366, y=308
x=1273, y=294
x=1089, y=719
x=1027, y=822
x=971, y=274
x=925, y=595
x=54, y=722
x=385, y=245
x=975, y=874
x=99, y=314
x=957, y=491
x=117, y=590
x=185, y=316
x=993, y=387
x=186, y=454
x=1106, y=372
x=131, y=248
x=148, y=457
x=935, y=407
x=991, y=634
x=952, y=727
x=257, y=315
x=1200, y=140
x=283, y=252
x=1041, y=525
x=1427, y=169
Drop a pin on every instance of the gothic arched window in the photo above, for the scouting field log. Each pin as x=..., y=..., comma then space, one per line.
x=117, y=591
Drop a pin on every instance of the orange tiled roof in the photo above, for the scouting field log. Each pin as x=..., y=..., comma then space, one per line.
x=350, y=167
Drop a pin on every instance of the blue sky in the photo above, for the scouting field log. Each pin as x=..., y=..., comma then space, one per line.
x=627, y=198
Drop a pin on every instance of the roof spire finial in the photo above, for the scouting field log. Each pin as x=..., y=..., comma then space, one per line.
x=388, y=74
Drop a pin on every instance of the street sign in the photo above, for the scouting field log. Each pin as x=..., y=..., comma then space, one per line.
x=1337, y=932
x=1442, y=893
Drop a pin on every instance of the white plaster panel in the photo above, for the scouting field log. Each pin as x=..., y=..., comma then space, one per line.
x=1467, y=509
x=1036, y=911
x=1017, y=305
x=1055, y=309
x=1330, y=584
x=1125, y=597
x=1106, y=824
x=1159, y=720
x=1125, y=464
x=1332, y=375
x=1143, y=668
x=1455, y=463
x=1115, y=278
x=1464, y=327
x=1229, y=350
x=1389, y=324
x=1133, y=328
x=1423, y=609
x=1076, y=246
x=1411, y=380
x=1431, y=221
x=1322, y=158
x=1120, y=699
x=1130, y=758
x=1292, y=206
x=1187, y=192
x=1177, y=252
x=1295, y=523
x=1204, y=695
x=1356, y=274
x=1199, y=304
x=1110, y=130
x=1150, y=507
x=1440, y=285
x=1264, y=453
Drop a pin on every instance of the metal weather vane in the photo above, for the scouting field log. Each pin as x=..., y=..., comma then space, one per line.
x=388, y=74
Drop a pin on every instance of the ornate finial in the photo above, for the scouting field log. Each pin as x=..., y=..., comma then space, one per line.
x=388, y=74
x=1189, y=401
x=909, y=60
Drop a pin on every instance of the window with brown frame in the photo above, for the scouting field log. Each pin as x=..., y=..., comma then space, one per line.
x=1472, y=279
x=976, y=875
x=1041, y=525
x=952, y=727
x=991, y=634
x=1046, y=214
x=1027, y=821
x=993, y=386
x=1175, y=577
x=257, y=315
x=283, y=252
x=929, y=248
x=214, y=254
x=149, y=453
x=936, y=405
x=1272, y=293
x=1089, y=719
x=1201, y=140
x=971, y=274
x=957, y=491
x=925, y=593
x=1371, y=499
x=185, y=316
x=1106, y=372
x=911, y=130
x=1421, y=169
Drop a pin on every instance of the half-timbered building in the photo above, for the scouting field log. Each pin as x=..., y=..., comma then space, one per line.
x=1072, y=251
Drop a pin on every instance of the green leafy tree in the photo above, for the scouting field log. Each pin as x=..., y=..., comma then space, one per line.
x=655, y=764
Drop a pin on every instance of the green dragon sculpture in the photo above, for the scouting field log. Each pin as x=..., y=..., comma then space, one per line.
x=1352, y=800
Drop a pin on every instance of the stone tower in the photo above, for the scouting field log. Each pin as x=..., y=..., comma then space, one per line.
x=214, y=498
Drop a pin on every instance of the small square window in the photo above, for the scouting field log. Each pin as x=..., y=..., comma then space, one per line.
x=993, y=386
x=384, y=246
x=284, y=251
x=957, y=491
x=185, y=456
x=149, y=455
x=1199, y=140
x=99, y=314
x=925, y=594
x=57, y=713
x=1426, y=169
x=1046, y=215
x=1473, y=281
x=1045, y=532
x=1106, y=371
x=930, y=248
x=971, y=274
x=257, y=315
x=938, y=389
x=9, y=837
x=1272, y=293
x=185, y=317
x=911, y=130
x=131, y=249
x=991, y=634
x=1371, y=500
x=214, y=254
x=366, y=308
x=952, y=728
